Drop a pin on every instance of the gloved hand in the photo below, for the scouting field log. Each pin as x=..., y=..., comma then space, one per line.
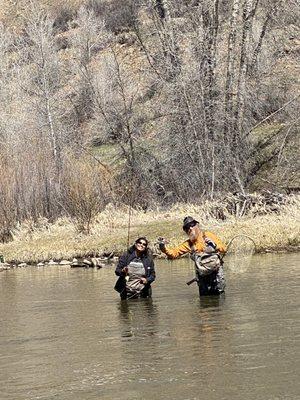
x=210, y=246
x=125, y=270
x=161, y=243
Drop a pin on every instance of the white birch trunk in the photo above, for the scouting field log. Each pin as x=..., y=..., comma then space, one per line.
x=244, y=62
x=230, y=67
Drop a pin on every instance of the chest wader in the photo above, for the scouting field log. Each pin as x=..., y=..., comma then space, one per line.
x=134, y=287
x=209, y=272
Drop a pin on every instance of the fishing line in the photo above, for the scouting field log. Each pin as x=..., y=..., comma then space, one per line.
x=129, y=224
x=130, y=208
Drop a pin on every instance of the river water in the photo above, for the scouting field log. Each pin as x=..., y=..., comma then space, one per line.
x=66, y=335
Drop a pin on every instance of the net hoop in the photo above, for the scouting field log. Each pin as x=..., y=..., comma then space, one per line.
x=239, y=236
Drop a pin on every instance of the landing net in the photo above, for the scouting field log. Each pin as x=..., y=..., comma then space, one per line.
x=239, y=254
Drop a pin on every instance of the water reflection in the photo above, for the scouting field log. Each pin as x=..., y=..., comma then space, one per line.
x=212, y=301
x=138, y=317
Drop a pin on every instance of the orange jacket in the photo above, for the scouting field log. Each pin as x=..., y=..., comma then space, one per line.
x=199, y=245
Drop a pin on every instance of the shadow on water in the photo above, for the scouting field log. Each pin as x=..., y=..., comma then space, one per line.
x=212, y=301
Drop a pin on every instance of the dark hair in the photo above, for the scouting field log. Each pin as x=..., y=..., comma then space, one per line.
x=146, y=252
x=142, y=238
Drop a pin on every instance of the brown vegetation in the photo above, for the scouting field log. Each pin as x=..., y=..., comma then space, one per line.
x=144, y=104
x=273, y=225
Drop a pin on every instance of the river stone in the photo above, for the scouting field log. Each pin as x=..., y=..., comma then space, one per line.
x=21, y=265
x=4, y=266
x=75, y=263
x=40, y=264
x=65, y=262
x=96, y=262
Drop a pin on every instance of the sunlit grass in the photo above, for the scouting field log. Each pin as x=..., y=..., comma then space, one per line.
x=44, y=241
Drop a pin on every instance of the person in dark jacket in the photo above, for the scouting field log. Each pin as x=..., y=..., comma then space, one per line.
x=136, y=271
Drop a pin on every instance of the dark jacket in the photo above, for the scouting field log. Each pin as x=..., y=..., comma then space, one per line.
x=147, y=261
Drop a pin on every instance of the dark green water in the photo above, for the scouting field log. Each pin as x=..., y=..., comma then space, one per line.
x=66, y=335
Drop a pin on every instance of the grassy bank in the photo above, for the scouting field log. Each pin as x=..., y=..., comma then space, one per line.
x=43, y=241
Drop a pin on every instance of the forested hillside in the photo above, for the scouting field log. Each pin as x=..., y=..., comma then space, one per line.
x=144, y=102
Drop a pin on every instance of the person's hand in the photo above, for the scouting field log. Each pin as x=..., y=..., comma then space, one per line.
x=161, y=243
x=210, y=243
x=125, y=270
x=210, y=246
x=143, y=280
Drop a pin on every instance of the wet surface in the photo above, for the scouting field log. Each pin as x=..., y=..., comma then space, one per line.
x=66, y=335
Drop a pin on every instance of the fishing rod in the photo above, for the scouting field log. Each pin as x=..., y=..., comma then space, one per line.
x=129, y=214
x=129, y=222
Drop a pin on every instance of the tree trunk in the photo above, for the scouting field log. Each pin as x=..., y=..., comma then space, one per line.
x=248, y=14
x=230, y=74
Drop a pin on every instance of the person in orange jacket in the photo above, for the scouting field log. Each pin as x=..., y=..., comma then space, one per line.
x=200, y=242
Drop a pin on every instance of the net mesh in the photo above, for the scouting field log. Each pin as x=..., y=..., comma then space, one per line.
x=240, y=250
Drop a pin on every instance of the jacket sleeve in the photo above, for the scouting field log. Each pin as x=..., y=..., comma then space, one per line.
x=177, y=251
x=221, y=247
x=151, y=274
x=121, y=264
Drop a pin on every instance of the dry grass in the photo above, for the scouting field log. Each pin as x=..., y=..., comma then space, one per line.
x=33, y=243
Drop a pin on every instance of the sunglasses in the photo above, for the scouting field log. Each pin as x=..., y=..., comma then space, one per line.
x=142, y=243
x=190, y=225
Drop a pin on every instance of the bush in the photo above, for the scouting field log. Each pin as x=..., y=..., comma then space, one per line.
x=119, y=15
x=84, y=191
x=62, y=18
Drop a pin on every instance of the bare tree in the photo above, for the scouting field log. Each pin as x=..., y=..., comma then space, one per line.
x=84, y=191
x=44, y=83
x=182, y=99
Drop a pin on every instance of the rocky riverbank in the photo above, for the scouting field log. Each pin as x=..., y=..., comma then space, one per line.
x=94, y=262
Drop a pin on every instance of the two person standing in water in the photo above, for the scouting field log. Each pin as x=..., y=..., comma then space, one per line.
x=136, y=267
